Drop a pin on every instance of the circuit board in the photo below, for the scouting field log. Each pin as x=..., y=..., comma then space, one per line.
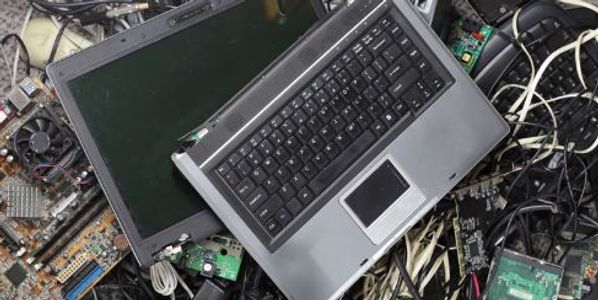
x=581, y=267
x=475, y=205
x=467, y=41
x=218, y=256
x=524, y=278
x=58, y=235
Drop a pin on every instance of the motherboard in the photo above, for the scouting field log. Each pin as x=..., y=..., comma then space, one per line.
x=58, y=235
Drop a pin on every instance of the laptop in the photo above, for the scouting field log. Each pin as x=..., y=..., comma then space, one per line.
x=325, y=160
x=131, y=97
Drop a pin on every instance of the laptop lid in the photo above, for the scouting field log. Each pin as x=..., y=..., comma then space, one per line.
x=132, y=96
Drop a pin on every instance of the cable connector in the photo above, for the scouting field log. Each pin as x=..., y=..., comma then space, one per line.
x=126, y=9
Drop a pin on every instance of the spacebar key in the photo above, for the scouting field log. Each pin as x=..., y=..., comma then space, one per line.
x=340, y=164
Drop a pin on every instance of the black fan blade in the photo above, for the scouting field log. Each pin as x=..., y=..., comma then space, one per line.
x=48, y=158
x=29, y=128
x=57, y=140
x=41, y=124
x=51, y=129
x=24, y=139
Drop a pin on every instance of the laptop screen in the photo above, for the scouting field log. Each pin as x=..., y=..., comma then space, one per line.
x=137, y=107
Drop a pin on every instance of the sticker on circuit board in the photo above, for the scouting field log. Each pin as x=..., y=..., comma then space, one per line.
x=217, y=256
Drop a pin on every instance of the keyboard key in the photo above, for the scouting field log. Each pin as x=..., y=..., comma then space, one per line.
x=370, y=94
x=287, y=191
x=349, y=113
x=386, y=21
x=364, y=120
x=320, y=160
x=359, y=84
x=397, y=69
x=277, y=138
x=255, y=140
x=338, y=165
x=423, y=65
x=270, y=165
x=265, y=131
x=314, y=124
x=243, y=168
x=223, y=169
x=338, y=124
x=275, y=122
x=310, y=107
x=283, y=174
x=297, y=103
x=298, y=181
x=321, y=98
x=332, y=87
x=400, y=108
x=375, y=110
x=305, y=196
x=316, y=143
x=379, y=44
x=317, y=84
x=286, y=112
x=381, y=84
x=326, y=114
x=414, y=55
x=288, y=127
x=307, y=93
x=378, y=128
x=266, y=148
x=305, y=154
x=293, y=164
x=271, y=185
x=268, y=209
x=342, y=140
x=309, y=170
x=299, y=117
x=272, y=227
x=327, y=134
x=392, y=53
x=354, y=68
x=403, y=83
x=281, y=155
x=353, y=130
x=369, y=74
x=389, y=119
x=245, y=149
x=294, y=206
x=343, y=77
x=232, y=178
x=331, y=151
x=380, y=65
x=254, y=158
x=283, y=217
x=405, y=42
x=395, y=30
x=304, y=134
x=234, y=159
x=245, y=188
x=365, y=58
x=256, y=199
x=292, y=144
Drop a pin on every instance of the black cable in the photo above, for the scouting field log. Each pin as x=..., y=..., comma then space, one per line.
x=406, y=277
x=57, y=40
x=23, y=47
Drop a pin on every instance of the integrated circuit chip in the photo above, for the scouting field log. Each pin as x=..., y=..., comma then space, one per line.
x=16, y=274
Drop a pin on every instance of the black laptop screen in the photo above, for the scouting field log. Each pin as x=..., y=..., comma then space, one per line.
x=138, y=106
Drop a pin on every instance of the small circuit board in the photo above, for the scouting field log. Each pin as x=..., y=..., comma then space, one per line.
x=58, y=235
x=218, y=256
x=475, y=204
x=581, y=267
x=521, y=277
x=467, y=41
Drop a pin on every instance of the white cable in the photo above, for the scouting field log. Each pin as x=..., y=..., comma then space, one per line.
x=165, y=279
x=578, y=59
x=15, y=69
x=581, y=3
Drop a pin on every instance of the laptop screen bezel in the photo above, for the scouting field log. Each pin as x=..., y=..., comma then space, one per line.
x=201, y=224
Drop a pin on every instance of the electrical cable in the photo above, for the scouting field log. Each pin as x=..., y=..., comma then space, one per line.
x=406, y=277
x=165, y=279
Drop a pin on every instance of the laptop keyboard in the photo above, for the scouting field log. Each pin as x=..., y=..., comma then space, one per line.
x=293, y=157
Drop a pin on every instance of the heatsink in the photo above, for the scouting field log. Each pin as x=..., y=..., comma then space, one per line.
x=23, y=201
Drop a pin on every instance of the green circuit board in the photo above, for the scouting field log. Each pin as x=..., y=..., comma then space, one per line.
x=218, y=256
x=521, y=277
x=467, y=41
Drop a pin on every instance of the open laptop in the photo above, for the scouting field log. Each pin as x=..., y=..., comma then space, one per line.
x=132, y=96
x=321, y=164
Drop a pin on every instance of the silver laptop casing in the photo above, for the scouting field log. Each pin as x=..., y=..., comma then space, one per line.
x=333, y=249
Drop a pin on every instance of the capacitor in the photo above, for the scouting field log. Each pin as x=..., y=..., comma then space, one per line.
x=84, y=174
x=89, y=169
x=4, y=152
x=59, y=217
x=10, y=158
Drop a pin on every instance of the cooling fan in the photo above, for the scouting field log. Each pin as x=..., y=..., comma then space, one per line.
x=43, y=142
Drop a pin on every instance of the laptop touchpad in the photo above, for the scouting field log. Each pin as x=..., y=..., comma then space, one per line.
x=377, y=193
